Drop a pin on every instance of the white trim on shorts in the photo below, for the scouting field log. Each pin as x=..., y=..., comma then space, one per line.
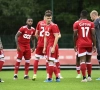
x=51, y=58
x=85, y=53
x=40, y=56
x=1, y=56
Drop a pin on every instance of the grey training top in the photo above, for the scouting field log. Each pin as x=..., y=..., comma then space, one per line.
x=97, y=29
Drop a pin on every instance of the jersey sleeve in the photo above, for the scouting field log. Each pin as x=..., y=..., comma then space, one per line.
x=21, y=30
x=96, y=23
x=55, y=29
x=75, y=26
x=58, y=28
x=37, y=27
x=92, y=25
x=33, y=32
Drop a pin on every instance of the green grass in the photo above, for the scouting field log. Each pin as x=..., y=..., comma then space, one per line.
x=68, y=83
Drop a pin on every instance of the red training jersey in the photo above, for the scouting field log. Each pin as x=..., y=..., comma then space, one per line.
x=40, y=27
x=26, y=34
x=49, y=33
x=84, y=28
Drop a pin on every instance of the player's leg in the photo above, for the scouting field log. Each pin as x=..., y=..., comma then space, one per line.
x=55, y=55
x=51, y=64
x=89, y=66
x=58, y=68
x=47, y=69
x=98, y=51
x=18, y=61
x=58, y=64
x=38, y=55
x=27, y=56
x=82, y=55
x=78, y=67
x=2, y=60
x=88, y=62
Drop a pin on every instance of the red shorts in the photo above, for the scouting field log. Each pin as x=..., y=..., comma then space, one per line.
x=39, y=52
x=25, y=51
x=52, y=56
x=82, y=51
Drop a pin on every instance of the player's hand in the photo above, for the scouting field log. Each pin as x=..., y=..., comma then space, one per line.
x=94, y=49
x=75, y=48
x=18, y=48
x=52, y=50
x=33, y=49
x=44, y=50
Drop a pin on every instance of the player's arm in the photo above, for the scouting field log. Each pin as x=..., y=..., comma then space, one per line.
x=93, y=40
x=33, y=43
x=75, y=36
x=59, y=35
x=36, y=34
x=16, y=39
x=45, y=44
x=1, y=46
x=55, y=42
x=75, y=39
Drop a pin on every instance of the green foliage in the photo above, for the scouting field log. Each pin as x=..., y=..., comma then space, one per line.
x=13, y=13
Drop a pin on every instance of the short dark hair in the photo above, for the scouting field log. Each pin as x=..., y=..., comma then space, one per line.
x=48, y=13
x=29, y=18
x=84, y=13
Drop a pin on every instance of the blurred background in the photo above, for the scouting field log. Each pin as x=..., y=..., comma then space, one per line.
x=13, y=15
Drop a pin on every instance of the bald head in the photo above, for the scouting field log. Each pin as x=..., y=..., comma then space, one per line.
x=94, y=14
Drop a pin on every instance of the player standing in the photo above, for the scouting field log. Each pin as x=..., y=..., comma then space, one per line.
x=1, y=58
x=84, y=40
x=40, y=44
x=39, y=50
x=50, y=45
x=22, y=39
x=94, y=16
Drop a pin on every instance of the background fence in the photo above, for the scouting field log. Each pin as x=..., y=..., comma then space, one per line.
x=66, y=41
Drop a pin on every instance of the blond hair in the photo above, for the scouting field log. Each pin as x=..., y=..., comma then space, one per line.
x=94, y=12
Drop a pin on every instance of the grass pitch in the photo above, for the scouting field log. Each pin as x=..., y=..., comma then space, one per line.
x=69, y=82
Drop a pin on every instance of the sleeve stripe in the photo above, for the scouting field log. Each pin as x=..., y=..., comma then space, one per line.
x=75, y=29
x=19, y=31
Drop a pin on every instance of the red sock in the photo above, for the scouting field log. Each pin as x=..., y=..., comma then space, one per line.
x=83, y=69
x=89, y=68
x=78, y=69
x=27, y=68
x=16, y=67
x=50, y=71
x=1, y=64
x=47, y=67
x=35, y=66
x=55, y=71
x=58, y=66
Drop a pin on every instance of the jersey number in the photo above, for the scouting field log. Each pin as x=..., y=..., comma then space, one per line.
x=85, y=31
x=41, y=32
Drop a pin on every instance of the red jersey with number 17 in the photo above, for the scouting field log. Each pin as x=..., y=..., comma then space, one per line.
x=50, y=30
x=84, y=28
x=40, y=27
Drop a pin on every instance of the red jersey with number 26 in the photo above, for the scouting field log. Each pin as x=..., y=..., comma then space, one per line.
x=50, y=30
x=26, y=34
x=84, y=28
x=40, y=27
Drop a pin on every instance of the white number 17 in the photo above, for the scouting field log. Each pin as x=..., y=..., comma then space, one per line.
x=85, y=31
